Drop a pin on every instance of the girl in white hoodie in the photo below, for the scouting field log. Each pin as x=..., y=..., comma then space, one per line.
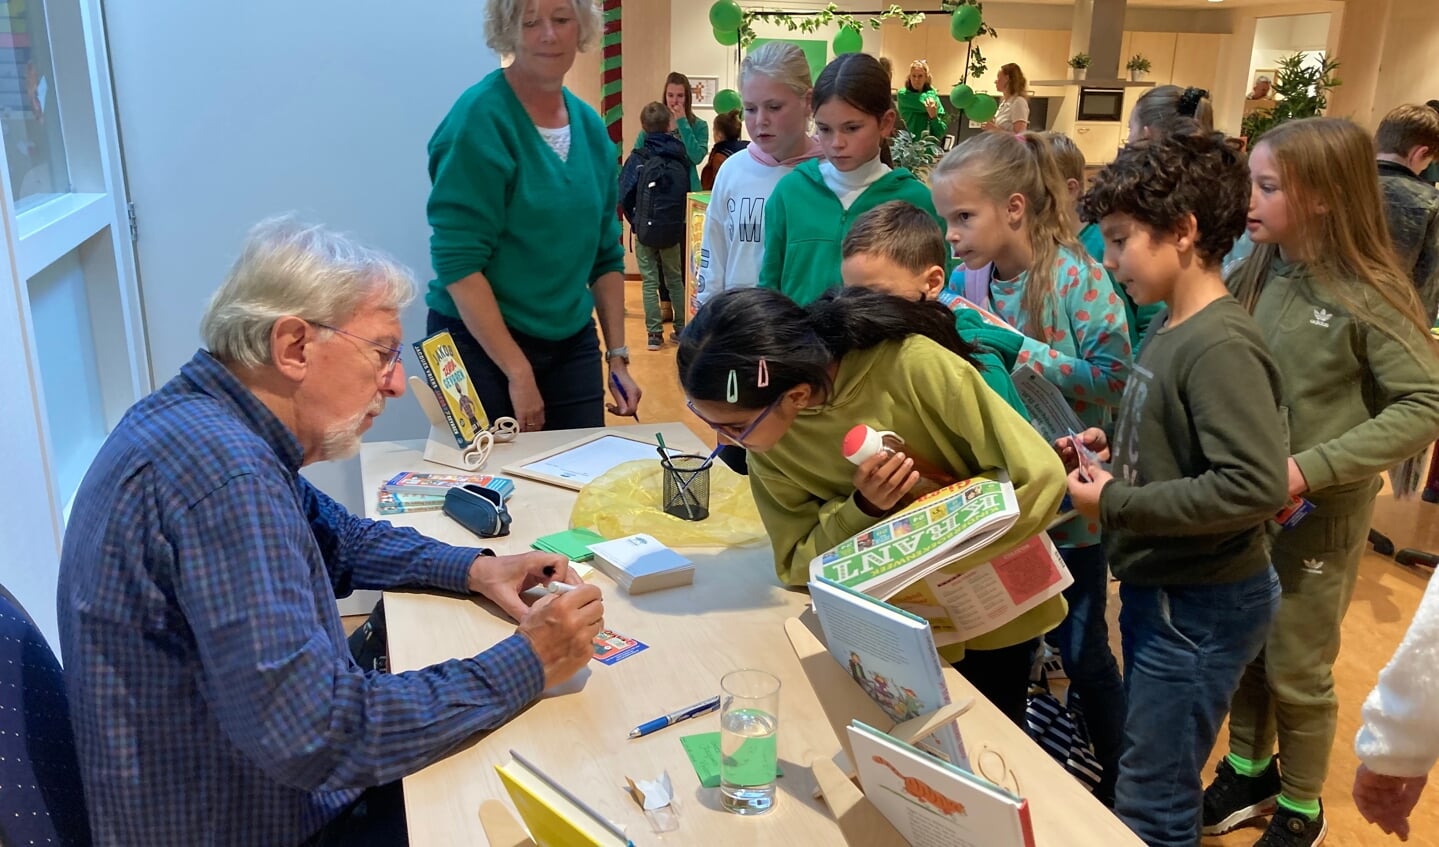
x=775, y=89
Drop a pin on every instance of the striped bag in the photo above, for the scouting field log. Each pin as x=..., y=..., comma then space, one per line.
x=1060, y=729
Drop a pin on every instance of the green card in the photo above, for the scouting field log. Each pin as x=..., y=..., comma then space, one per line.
x=704, y=752
x=573, y=544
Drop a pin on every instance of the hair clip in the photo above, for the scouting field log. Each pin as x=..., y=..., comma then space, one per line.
x=731, y=393
x=762, y=375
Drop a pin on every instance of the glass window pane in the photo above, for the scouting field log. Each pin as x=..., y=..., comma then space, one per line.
x=29, y=119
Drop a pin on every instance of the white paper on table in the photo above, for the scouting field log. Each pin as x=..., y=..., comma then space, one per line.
x=653, y=794
x=589, y=461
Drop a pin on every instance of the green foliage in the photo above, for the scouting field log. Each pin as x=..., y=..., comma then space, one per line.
x=1139, y=63
x=1300, y=91
x=918, y=155
x=810, y=22
x=1080, y=60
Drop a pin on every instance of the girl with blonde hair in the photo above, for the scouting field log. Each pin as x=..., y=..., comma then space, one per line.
x=1361, y=391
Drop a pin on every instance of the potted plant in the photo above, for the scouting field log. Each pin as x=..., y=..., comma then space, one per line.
x=1300, y=90
x=1137, y=66
x=1079, y=65
x=917, y=154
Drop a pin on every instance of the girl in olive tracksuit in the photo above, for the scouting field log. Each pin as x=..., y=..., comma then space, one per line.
x=1361, y=394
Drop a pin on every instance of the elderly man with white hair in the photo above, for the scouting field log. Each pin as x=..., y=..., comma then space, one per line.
x=214, y=696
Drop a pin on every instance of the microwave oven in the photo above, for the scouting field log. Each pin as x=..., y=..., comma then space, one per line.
x=1100, y=104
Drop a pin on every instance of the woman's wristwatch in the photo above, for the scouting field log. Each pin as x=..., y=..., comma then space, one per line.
x=618, y=353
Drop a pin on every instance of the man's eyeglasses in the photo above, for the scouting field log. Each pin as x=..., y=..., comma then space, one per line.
x=392, y=354
x=734, y=433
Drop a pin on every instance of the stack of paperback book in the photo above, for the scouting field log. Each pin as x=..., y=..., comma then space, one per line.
x=412, y=491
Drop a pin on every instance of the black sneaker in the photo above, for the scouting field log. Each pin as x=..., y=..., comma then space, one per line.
x=1289, y=829
x=1232, y=800
x=657, y=340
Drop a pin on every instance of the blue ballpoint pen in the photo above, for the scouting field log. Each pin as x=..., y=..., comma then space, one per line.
x=672, y=718
x=624, y=395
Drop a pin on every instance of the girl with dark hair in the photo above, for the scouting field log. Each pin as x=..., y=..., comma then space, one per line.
x=787, y=382
x=812, y=207
x=679, y=97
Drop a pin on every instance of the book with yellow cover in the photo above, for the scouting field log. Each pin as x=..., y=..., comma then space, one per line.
x=446, y=374
x=554, y=816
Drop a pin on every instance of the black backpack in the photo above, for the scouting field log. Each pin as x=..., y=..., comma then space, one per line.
x=659, y=219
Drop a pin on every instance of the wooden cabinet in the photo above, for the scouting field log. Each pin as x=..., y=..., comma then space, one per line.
x=1098, y=142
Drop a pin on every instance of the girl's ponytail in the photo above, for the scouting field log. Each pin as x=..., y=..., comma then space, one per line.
x=849, y=319
x=742, y=333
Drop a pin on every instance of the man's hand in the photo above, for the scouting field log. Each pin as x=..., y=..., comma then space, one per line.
x=561, y=628
x=502, y=578
x=1085, y=495
x=1386, y=801
x=882, y=480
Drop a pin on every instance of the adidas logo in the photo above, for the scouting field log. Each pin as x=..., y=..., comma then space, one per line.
x=1321, y=318
x=1314, y=566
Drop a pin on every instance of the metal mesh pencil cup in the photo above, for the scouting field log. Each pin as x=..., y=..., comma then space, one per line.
x=686, y=489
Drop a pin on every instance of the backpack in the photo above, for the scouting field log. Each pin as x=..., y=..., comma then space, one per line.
x=659, y=218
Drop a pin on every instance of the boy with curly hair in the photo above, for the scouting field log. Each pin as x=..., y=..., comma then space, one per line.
x=1196, y=475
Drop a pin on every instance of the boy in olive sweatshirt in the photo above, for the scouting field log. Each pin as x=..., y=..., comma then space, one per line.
x=1196, y=475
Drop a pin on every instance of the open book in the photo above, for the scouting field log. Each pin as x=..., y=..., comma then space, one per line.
x=901, y=559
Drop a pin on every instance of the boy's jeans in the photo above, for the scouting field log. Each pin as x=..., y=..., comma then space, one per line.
x=1185, y=648
x=657, y=263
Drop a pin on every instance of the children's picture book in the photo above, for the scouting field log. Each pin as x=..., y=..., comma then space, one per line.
x=962, y=606
x=955, y=302
x=398, y=503
x=890, y=653
x=554, y=816
x=436, y=484
x=927, y=535
x=446, y=374
x=934, y=803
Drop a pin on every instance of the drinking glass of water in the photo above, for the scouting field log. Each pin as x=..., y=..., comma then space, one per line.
x=749, y=717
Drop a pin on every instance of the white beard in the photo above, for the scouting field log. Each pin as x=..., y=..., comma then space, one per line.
x=342, y=440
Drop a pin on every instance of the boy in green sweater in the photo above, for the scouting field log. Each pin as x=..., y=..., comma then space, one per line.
x=1196, y=475
x=897, y=248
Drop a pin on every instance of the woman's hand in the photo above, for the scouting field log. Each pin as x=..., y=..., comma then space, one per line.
x=627, y=401
x=882, y=480
x=932, y=107
x=529, y=405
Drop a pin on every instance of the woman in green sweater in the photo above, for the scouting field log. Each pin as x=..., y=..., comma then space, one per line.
x=919, y=107
x=694, y=132
x=787, y=382
x=515, y=281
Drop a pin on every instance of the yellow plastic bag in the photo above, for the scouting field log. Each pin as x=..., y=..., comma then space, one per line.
x=626, y=500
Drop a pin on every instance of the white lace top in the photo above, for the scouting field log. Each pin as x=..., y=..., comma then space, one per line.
x=559, y=140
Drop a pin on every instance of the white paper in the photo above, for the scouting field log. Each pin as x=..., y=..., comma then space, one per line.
x=1048, y=410
x=654, y=793
x=587, y=462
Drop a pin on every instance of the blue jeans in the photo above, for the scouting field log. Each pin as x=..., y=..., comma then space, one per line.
x=1185, y=648
x=1082, y=639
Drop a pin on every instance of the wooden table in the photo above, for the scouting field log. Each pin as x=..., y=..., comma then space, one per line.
x=732, y=617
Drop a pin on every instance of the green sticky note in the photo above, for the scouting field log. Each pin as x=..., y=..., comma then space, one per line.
x=704, y=754
x=573, y=544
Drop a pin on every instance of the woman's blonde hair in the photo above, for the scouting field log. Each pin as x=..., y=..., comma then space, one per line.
x=1001, y=165
x=505, y=18
x=924, y=66
x=1326, y=168
x=780, y=61
x=1014, y=75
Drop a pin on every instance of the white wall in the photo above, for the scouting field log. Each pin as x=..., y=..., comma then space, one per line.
x=1276, y=38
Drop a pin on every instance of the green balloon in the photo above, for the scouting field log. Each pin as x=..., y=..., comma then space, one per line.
x=726, y=15
x=983, y=108
x=727, y=100
x=727, y=37
x=961, y=96
x=848, y=40
x=964, y=23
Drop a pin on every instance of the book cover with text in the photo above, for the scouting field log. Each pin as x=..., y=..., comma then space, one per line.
x=446, y=374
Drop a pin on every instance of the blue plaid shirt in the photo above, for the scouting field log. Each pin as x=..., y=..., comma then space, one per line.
x=214, y=697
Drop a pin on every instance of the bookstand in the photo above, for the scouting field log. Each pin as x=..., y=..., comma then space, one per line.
x=844, y=701
x=440, y=446
x=501, y=828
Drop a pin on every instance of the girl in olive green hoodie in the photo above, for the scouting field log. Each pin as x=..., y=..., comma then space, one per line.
x=787, y=382
x=1361, y=394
